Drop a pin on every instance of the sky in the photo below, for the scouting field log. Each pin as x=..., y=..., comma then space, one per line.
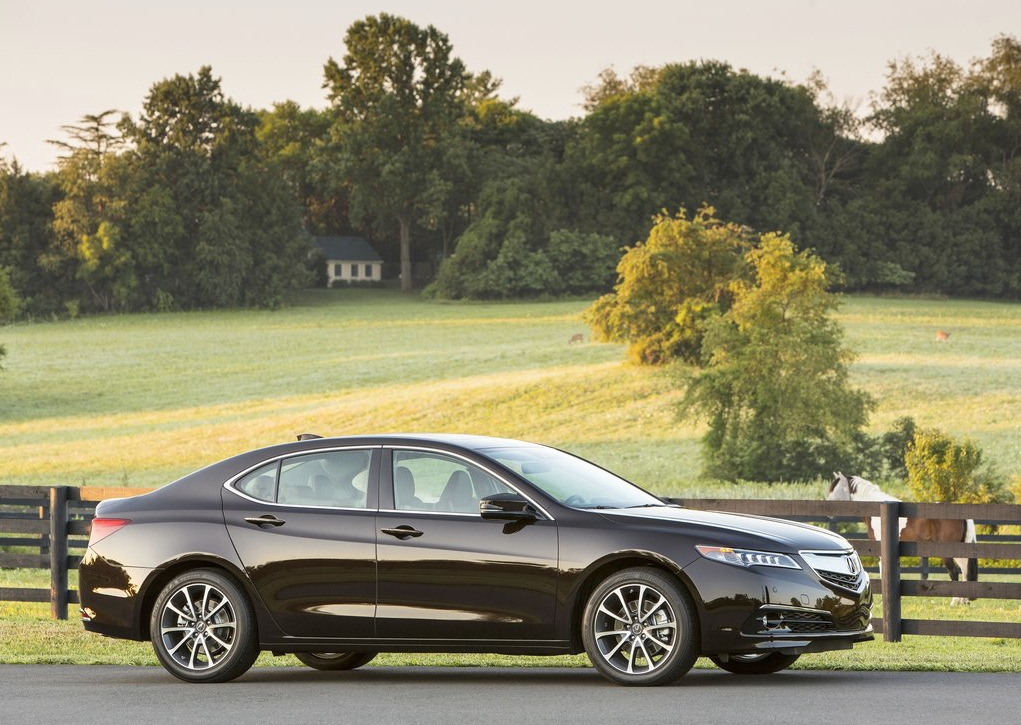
x=63, y=59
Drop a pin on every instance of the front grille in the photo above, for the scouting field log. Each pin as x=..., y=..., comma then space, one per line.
x=847, y=581
x=838, y=568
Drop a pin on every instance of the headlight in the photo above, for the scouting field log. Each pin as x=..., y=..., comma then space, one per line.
x=746, y=557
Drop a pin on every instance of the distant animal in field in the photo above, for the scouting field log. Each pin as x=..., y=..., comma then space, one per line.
x=576, y=337
x=942, y=336
x=856, y=488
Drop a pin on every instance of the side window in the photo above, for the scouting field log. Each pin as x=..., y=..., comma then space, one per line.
x=435, y=482
x=260, y=483
x=331, y=478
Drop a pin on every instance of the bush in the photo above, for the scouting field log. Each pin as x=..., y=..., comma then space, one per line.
x=943, y=470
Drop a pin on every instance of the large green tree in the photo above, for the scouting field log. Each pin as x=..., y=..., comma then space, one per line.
x=212, y=223
x=397, y=102
x=686, y=135
x=774, y=383
x=940, y=194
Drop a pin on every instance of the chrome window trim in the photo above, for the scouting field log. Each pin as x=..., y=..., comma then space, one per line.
x=451, y=454
x=230, y=482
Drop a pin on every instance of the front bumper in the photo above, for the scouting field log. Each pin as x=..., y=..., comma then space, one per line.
x=795, y=611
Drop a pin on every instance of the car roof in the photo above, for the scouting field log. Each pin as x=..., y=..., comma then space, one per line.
x=460, y=440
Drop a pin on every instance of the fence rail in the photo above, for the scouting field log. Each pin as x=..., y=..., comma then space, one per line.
x=55, y=522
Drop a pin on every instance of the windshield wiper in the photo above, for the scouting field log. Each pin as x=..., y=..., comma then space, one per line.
x=646, y=505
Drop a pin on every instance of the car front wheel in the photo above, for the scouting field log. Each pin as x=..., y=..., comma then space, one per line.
x=335, y=660
x=755, y=664
x=203, y=628
x=640, y=628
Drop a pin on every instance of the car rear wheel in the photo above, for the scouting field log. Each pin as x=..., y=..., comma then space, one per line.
x=765, y=663
x=203, y=628
x=640, y=628
x=335, y=660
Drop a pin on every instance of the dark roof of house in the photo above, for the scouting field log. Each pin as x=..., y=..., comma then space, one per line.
x=348, y=249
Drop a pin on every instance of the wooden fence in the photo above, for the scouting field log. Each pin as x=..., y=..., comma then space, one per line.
x=54, y=521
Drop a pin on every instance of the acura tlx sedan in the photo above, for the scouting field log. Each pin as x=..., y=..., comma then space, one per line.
x=335, y=549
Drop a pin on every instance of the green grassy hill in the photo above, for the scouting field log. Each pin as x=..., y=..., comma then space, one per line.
x=142, y=399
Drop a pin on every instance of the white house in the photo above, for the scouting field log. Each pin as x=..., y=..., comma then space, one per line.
x=350, y=259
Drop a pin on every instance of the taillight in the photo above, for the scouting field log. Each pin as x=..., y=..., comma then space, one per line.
x=101, y=528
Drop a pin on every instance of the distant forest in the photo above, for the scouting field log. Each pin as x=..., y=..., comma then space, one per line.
x=199, y=202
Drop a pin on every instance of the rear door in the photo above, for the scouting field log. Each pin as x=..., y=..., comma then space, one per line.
x=304, y=527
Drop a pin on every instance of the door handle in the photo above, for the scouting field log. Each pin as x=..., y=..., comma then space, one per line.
x=265, y=520
x=402, y=532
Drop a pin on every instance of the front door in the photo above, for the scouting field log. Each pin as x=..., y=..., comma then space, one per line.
x=445, y=573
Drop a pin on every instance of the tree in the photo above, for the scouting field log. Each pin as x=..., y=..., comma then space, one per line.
x=8, y=304
x=290, y=139
x=940, y=193
x=687, y=135
x=774, y=386
x=88, y=220
x=396, y=102
x=26, y=239
x=669, y=286
x=209, y=221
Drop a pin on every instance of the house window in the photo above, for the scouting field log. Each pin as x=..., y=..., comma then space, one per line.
x=354, y=270
x=368, y=271
x=338, y=270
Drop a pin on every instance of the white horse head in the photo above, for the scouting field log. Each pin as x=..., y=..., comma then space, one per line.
x=840, y=488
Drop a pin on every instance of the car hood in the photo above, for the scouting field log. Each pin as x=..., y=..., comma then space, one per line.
x=732, y=529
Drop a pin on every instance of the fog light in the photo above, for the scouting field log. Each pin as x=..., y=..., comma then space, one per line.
x=88, y=614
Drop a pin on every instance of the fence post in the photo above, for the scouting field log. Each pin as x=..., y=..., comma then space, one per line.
x=58, y=552
x=889, y=513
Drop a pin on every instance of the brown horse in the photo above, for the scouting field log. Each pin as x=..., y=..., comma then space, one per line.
x=855, y=488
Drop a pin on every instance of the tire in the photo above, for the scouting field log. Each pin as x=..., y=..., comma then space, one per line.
x=203, y=628
x=756, y=664
x=640, y=628
x=335, y=660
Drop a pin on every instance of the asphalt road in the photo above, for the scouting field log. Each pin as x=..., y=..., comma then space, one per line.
x=419, y=695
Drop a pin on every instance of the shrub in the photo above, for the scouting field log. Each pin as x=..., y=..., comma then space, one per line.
x=941, y=469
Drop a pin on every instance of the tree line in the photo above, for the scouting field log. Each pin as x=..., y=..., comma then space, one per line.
x=200, y=202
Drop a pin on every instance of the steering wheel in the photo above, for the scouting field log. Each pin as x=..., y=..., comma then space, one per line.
x=574, y=500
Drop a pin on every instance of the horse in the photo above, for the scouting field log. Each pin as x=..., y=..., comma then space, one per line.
x=856, y=488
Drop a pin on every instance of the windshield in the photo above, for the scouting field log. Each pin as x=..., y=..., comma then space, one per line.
x=572, y=480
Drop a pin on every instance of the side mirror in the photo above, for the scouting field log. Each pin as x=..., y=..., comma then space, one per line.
x=507, y=507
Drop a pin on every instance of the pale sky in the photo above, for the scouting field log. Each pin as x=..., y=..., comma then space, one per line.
x=62, y=59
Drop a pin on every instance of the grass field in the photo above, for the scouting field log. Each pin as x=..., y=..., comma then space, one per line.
x=142, y=399
x=139, y=400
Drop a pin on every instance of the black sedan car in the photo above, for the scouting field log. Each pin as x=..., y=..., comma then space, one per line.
x=335, y=549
